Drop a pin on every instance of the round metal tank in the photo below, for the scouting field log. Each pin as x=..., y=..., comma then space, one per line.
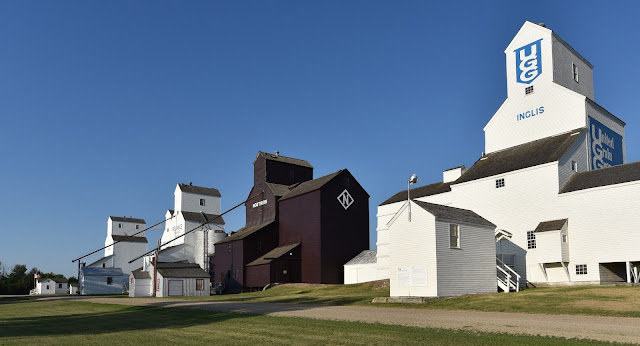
x=214, y=237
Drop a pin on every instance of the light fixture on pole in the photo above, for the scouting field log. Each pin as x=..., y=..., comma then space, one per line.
x=412, y=180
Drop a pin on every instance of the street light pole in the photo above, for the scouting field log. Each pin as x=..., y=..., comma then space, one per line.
x=412, y=180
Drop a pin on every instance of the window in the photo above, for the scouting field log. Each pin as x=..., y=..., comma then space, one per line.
x=47, y=286
x=137, y=226
x=119, y=225
x=499, y=183
x=454, y=236
x=528, y=90
x=345, y=181
x=581, y=269
x=202, y=201
x=291, y=174
x=229, y=247
x=574, y=166
x=235, y=276
x=531, y=240
x=109, y=280
x=59, y=285
x=104, y=265
x=565, y=238
x=199, y=284
x=575, y=72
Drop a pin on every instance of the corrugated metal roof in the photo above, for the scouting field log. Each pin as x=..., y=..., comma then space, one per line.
x=127, y=219
x=129, y=239
x=181, y=270
x=278, y=190
x=553, y=225
x=453, y=214
x=244, y=232
x=311, y=185
x=603, y=177
x=522, y=156
x=140, y=274
x=273, y=254
x=200, y=190
x=422, y=191
x=365, y=257
x=197, y=217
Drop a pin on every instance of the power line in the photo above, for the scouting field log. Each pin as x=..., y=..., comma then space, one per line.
x=127, y=237
x=199, y=226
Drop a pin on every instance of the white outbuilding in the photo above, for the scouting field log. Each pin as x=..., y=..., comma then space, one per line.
x=51, y=286
x=102, y=281
x=441, y=251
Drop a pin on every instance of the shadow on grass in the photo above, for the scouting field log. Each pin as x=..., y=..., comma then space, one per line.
x=107, y=319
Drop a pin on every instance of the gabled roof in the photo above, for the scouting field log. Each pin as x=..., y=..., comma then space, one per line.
x=181, y=270
x=603, y=177
x=311, y=185
x=100, y=260
x=207, y=191
x=129, y=239
x=127, y=219
x=197, y=217
x=280, y=158
x=522, y=156
x=366, y=256
x=553, y=225
x=140, y=274
x=244, y=232
x=273, y=254
x=60, y=280
x=422, y=191
x=278, y=190
x=97, y=271
x=453, y=214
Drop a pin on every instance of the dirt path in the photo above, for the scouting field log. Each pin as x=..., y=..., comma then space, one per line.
x=620, y=329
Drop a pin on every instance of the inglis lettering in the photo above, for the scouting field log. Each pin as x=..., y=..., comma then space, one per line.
x=530, y=113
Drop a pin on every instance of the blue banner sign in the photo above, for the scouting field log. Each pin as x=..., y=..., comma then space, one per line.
x=606, y=146
x=529, y=62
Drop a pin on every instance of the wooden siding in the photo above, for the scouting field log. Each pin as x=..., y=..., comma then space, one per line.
x=578, y=153
x=188, y=287
x=264, y=213
x=259, y=276
x=300, y=222
x=345, y=233
x=469, y=269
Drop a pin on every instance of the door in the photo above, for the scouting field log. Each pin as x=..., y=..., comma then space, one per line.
x=175, y=288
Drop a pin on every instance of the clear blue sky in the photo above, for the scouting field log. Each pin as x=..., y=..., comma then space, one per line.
x=106, y=105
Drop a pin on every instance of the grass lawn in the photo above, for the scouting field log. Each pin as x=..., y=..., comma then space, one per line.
x=621, y=301
x=28, y=322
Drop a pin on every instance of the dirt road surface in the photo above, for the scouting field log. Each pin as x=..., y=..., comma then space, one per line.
x=620, y=329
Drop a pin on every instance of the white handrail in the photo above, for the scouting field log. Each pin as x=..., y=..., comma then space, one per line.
x=517, y=282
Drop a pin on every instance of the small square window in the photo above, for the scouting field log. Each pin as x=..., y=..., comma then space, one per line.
x=59, y=285
x=575, y=72
x=454, y=236
x=531, y=240
x=202, y=201
x=199, y=284
x=565, y=238
x=119, y=225
x=581, y=269
x=499, y=183
x=109, y=280
x=574, y=166
x=47, y=286
x=137, y=226
x=528, y=90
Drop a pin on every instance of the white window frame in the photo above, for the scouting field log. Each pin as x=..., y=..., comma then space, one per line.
x=574, y=71
x=454, y=236
x=574, y=166
x=531, y=240
x=528, y=90
x=202, y=202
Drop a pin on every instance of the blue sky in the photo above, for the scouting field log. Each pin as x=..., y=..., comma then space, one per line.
x=107, y=105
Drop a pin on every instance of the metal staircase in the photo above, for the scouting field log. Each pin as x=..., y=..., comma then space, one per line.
x=508, y=279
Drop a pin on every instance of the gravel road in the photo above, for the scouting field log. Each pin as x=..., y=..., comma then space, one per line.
x=620, y=329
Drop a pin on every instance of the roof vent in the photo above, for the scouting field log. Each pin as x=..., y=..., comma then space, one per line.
x=277, y=153
x=190, y=184
x=542, y=25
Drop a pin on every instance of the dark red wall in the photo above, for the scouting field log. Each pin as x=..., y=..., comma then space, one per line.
x=345, y=233
x=300, y=221
x=264, y=213
x=229, y=257
x=259, y=276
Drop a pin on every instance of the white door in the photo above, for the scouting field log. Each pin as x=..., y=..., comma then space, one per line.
x=175, y=288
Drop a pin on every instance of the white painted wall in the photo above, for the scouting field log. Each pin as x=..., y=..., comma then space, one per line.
x=188, y=287
x=357, y=273
x=191, y=202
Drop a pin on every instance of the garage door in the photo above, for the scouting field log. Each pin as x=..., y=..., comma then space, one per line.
x=175, y=287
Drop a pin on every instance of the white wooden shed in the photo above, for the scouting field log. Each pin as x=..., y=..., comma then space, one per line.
x=181, y=279
x=441, y=251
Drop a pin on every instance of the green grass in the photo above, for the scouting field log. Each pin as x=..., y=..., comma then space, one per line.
x=29, y=322
x=621, y=301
